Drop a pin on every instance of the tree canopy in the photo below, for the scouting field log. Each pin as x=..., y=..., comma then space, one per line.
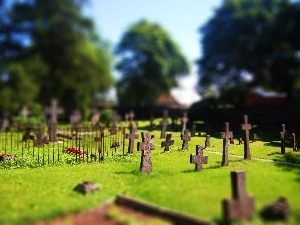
x=150, y=62
x=67, y=59
x=254, y=43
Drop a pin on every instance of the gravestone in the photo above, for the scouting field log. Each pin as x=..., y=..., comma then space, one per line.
x=131, y=138
x=185, y=137
x=146, y=146
x=86, y=187
x=207, y=141
x=53, y=111
x=198, y=158
x=152, y=124
x=184, y=121
x=164, y=124
x=95, y=117
x=241, y=206
x=246, y=127
x=40, y=139
x=282, y=138
x=114, y=120
x=131, y=116
x=167, y=143
x=75, y=119
x=225, y=136
x=278, y=210
x=254, y=138
x=294, y=142
x=193, y=132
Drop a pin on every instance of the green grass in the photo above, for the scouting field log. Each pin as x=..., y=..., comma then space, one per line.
x=32, y=194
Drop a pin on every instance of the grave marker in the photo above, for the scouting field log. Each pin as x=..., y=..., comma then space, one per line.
x=241, y=206
x=207, y=141
x=198, y=158
x=184, y=122
x=167, y=143
x=164, y=124
x=146, y=146
x=294, y=142
x=246, y=127
x=186, y=138
x=131, y=138
x=225, y=136
x=193, y=132
x=282, y=138
x=53, y=111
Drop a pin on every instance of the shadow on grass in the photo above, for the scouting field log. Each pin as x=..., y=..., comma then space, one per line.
x=291, y=157
x=133, y=172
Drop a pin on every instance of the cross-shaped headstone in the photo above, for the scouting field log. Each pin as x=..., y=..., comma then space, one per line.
x=53, y=111
x=185, y=119
x=40, y=139
x=198, y=159
x=131, y=138
x=241, y=206
x=282, y=138
x=164, y=124
x=131, y=116
x=146, y=146
x=246, y=127
x=225, y=136
x=186, y=138
x=167, y=143
x=294, y=142
x=207, y=141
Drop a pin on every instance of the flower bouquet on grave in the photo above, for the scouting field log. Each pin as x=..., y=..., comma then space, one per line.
x=75, y=151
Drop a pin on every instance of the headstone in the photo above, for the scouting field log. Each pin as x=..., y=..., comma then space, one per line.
x=282, y=139
x=86, y=187
x=193, y=132
x=146, y=146
x=246, y=127
x=164, y=124
x=241, y=206
x=40, y=140
x=278, y=210
x=198, y=158
x=152, y=124
x=225, y=136
x=131, y=138
x=294, y=142
x=254, y=138
x=167, y=143
x=75, y=119
x=53, y=111
x=207, y=141
x=184, y=121
x=131, y=116
x=185, y=137
x=95, y=117
x=114, y=120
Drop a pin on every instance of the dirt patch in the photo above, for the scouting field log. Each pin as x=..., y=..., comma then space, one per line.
x=107, y=214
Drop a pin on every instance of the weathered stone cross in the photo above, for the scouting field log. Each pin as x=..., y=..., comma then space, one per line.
x=164, y=124
x=54, y=111
x=246, y=127
x=146, y=146
x=241, y=205
x=282, y=138
x=185, y=119
x=226, y=136
x=131, y=138
x=198, y=159
x=186, y=138
x=167, y=143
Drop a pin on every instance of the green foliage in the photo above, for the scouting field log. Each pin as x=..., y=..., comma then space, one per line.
x=106, y=114
x=63, y=57
x=254, y=37
x=149, y=63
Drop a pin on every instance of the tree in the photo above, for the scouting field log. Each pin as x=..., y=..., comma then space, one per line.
x=77, y=60
x=252, y=37
x=149, y=63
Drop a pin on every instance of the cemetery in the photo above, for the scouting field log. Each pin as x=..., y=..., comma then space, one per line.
x=229, y=174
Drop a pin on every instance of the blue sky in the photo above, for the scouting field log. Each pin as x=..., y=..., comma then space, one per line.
x=180, y=18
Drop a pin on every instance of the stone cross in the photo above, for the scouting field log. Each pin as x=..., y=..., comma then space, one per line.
x=294, y=142
x=167, y=143
x=131, y=138
x=254, y=137
x=241, y=206
x=198, y=159
x=186, y=138
x=225, y=136
x=282, y=138
x=246, y=127
x=131, y=116
x=193, y=132
x=207, y=141
x=164, y=124
x=185, y=119
x=53, y=111
x=146, y=146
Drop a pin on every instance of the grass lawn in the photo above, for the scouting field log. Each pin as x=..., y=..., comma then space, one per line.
x=31, y=194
